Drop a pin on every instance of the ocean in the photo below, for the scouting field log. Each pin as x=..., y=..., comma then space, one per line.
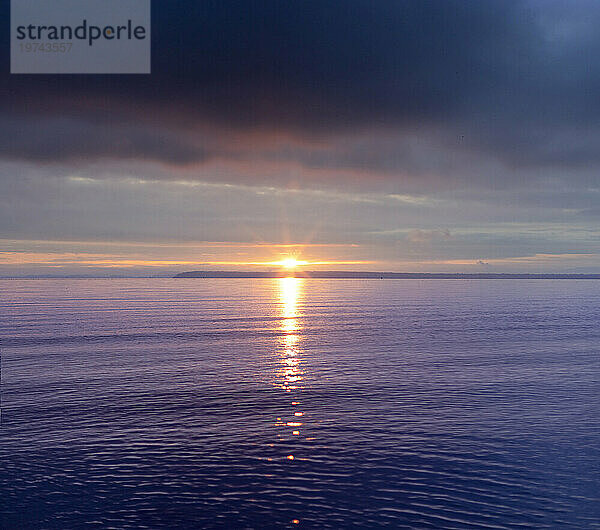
x=300, y=403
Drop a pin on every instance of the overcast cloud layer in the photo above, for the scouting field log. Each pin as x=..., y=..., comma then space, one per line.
x=431, y=135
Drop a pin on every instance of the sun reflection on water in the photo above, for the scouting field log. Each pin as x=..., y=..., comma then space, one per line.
x=289, y=292
x=289, y=375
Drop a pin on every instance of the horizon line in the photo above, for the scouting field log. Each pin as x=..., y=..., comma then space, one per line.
x=322, y=274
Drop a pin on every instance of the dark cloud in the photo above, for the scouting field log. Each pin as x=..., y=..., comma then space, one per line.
x=513, y=80
x=53, y=139
x=313, y=64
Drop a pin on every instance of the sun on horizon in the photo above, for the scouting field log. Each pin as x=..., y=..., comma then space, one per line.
x=291, y=263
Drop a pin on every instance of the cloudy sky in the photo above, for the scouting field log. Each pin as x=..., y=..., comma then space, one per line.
x=376, y=135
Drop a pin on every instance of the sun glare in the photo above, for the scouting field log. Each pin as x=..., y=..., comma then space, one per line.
x=291, y=263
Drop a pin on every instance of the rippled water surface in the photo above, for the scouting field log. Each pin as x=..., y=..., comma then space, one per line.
x=199, y=403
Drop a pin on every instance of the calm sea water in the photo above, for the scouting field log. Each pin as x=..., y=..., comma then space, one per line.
x=300, y=403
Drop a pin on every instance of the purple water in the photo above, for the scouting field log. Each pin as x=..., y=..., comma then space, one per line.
x=177, y=403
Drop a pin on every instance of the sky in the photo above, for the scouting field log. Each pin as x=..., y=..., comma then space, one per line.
x=425, y=136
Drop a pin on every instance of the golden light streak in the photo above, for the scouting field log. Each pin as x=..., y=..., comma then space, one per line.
x=109, y=260
x=289, y=292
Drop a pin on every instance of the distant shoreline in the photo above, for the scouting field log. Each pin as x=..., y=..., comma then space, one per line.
x=358, y=275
